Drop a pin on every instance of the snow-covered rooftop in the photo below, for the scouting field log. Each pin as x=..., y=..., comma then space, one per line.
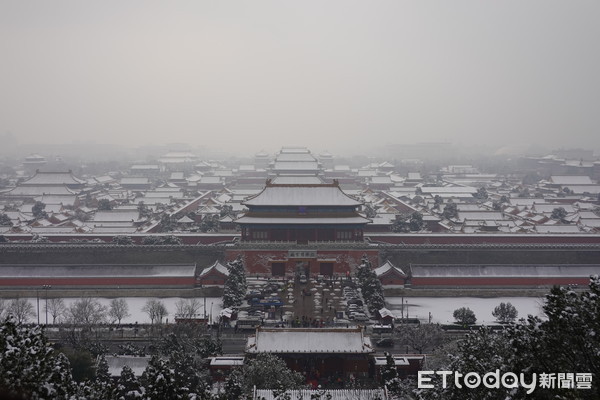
x=297, y=180
x=216, y=266
x=135, y=181
x=94, y=270
x=301, y=157
x=571, y=180
x=302, y=195
x=470, y=271
x=40, y=190
x=116, y=215
x=302, y=220
x=557, y=228
x=387, y=267
x=296, y=165
x=53, y=178
x=308, y=340
x=137, y=364
x=227, y=361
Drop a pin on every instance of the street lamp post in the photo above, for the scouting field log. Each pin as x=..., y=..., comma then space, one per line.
x=46, y=287
x=37, y=296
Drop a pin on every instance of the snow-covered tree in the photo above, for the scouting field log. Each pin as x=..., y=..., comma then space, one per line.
x=370, y=286
x=86, y=311
x=104, y=205
x=122, y=240
x=38, y=210
x=21, y=309
x=127, y=386
x=559, y=213
x=567, y=342
x=161, y=240
x=235, y=286
x=187, y=358
x=464, y=316
x=505, y=313
x=144, y=210
x=389, y=373
x=118, y=310
x=56, y=308
x=158, y=381
x=408, y=223
x=5, y=220
x=481, y=194
x=187, y=308
x=422, y=337
x=266, y=371
x=28, y=366
x=103, y=386
x=156, y=310
x=369, y=210
x=3, y=307
x=450, y=211
x=210, y=223
x=61, y=378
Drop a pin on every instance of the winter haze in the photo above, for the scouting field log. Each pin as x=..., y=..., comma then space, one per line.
x=338, y=75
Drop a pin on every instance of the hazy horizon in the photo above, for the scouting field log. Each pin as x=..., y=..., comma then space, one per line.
x=341, y=76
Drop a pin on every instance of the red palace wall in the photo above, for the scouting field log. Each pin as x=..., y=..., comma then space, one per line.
x=344, y=261
x=99, y=281
x=499, y=281
x=212, y=279
x=391, y=280
x=457, y=238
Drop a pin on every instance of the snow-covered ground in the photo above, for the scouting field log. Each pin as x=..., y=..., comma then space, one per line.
x=213, y=306
x=442, y=308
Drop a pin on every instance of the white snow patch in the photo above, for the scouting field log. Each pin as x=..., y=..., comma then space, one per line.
x=442, y=308
x=213, y=305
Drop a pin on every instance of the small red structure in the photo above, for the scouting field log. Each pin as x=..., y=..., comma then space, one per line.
x=216, y=274
x=220, y=367
x=389, y=274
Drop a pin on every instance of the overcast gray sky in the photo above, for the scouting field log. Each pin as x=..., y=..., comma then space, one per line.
x=248, y=75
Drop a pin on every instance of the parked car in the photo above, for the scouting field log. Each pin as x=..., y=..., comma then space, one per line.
x=358, y=302
x=385, y=342
x=254, y=294
x=360, y=317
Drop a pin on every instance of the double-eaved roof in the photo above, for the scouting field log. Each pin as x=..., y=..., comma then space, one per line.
x=301, y=195
x=53, y=178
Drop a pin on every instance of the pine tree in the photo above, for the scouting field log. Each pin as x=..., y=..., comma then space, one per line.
x=370, y=286
x=102, y=386
x=158, y=381
x=235, y=287
x=127, y=387
x=266, y=371
x=567, y=342
x=28, y=366
x=61, y=378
